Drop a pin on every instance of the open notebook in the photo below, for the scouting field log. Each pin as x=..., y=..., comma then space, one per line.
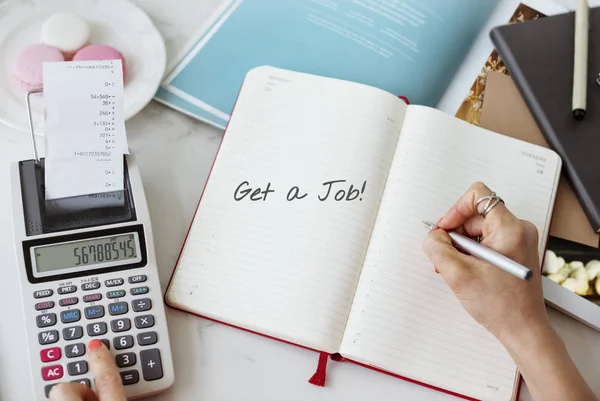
x=341, y=270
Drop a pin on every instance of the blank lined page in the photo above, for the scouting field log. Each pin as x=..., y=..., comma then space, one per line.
x=405, y=319
x=289, y=269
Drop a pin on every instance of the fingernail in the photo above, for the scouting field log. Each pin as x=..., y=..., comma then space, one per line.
x=434, y=229
x=436, y=270
x=439, y=221
x=94, y=344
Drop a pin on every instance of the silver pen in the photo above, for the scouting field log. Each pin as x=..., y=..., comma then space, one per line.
x=486, y=254
x=580, y=62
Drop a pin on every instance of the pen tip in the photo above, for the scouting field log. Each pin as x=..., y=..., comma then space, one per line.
x=428, y=224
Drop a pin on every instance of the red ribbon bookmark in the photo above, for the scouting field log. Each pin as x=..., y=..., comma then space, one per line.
x=318, y=379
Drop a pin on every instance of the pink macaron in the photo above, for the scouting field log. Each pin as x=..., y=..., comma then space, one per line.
x=100, y=52
x=28, y=66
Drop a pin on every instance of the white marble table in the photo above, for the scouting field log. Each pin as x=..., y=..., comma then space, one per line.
x=212, y=362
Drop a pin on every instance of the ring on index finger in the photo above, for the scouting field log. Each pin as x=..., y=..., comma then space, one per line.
x=492, y=200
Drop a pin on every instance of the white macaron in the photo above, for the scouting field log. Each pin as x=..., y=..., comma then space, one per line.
x=66, y=31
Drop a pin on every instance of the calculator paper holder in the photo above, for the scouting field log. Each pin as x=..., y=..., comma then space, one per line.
x=54, y=215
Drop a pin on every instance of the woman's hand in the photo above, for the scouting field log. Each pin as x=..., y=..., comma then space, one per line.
x=109, y=386
x=510, y=308
x=499, y=301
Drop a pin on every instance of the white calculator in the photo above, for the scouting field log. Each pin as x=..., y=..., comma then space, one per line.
x=88, y=271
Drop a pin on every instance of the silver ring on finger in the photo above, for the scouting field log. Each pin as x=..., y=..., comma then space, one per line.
x=492, y=201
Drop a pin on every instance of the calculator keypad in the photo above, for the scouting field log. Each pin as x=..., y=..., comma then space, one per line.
x=44, y=305
x=52, y=372
x=48, y=337
x=115, y=294
x=145, y=321
x=47, y=320
x=70, y=315
x=130, y=377
x=151, y=364
x=50, y=354
x=94, y=285
x=118, y=308
x=77, y=368
x=94, y=312
x=120, y=325
x=141, y=305
x=67, y=289
x=96, y=329
x=75, y=350
x=92, y=297
x=137, y=279
x=67, y=360
x=147, y=338
x=123, y=342
x=126, y=359
x=114, y=282
x=68, y=301
x=139, y=290
x=43, y=293
x=83, y=381
x=72, y=332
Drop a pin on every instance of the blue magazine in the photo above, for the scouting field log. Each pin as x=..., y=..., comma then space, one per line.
x=410, y=48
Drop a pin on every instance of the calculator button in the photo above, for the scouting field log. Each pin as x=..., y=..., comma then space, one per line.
x=43, y=293
x=130, y=377
x=47, y=320
x=90, y=286
x=83, y=381
x=106, y=343
x=44, y=305
x=114, y=282
x=75, y=350
x=118, y=308
x=127, y=359
x=72, y=332
x=123, y=342
x=70, y=316
x=52, y=372
x=77, y=368
x=94, y=312
x=96, y=329
x=50, y=354
x=68, y=301
x=141, y=322
x=147, y=338
x=120, y=325
x=137, y=279
x=141, y=305
x=115, y=294
x=48, y=388
x=92, y=297
x=67, y=289
x=151, y=364
x=48, y=337
x=139, y=290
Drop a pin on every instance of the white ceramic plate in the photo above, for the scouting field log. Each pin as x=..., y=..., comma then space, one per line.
x=117, y=23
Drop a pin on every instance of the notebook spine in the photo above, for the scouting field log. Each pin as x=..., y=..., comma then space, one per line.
x=588, y=204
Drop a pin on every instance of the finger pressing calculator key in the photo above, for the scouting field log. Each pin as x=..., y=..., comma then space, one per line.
x=90, y=278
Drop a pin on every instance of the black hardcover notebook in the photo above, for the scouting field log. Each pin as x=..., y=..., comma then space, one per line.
x=539, y=56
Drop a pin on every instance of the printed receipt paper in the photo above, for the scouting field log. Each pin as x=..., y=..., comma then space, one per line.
x=84, y=128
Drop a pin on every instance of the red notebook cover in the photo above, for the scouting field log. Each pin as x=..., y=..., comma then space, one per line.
x=319, y=376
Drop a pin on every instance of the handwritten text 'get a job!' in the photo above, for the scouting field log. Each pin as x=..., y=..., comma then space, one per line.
x=337, y=190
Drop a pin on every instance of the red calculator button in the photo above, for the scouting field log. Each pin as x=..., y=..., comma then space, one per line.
x=52, y=372
x=50, y=354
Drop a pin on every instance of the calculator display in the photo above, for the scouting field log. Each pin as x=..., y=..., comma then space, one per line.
x=86, y=253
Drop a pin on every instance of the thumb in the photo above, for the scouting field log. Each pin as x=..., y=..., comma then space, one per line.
x=451, y=263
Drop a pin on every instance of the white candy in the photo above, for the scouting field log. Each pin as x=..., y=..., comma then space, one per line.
x=66, y=31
